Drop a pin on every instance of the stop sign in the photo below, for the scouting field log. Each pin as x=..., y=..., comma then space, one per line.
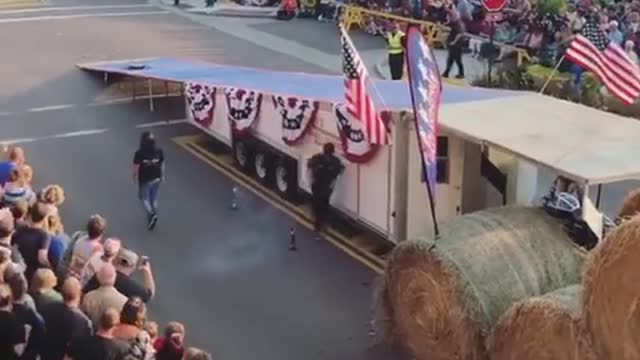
x=494, y=5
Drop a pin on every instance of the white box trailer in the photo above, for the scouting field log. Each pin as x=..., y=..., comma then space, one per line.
x=366, y=192
x=531, y=139
x=512, y=142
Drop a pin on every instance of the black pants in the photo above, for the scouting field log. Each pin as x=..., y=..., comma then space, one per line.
x=284, y=15
x=396, y=65
x=454, y=56
x=320, y=207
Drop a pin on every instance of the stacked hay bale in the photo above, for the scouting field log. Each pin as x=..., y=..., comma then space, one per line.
x=441, y=299
x=630, y=205
x=547, y=327
x=612, y=293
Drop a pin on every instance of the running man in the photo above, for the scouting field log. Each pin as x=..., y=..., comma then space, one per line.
x=148, y=170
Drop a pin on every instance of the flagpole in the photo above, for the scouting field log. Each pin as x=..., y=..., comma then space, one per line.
x=347, y=38
x=555, y=70
x=436, y=230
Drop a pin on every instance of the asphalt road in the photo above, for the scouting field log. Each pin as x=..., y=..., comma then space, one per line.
x=227, y=275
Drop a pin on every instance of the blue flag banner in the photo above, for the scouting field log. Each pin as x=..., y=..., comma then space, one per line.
x=426, y=87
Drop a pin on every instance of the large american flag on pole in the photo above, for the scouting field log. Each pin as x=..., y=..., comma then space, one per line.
x=426, y=88
x=593, y=50
x=358, y=100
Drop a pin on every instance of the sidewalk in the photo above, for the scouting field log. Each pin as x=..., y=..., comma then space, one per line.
x=308, y=40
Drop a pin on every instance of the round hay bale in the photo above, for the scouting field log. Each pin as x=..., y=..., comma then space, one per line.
x=632, y=335
x=547, y=327
x=630, y=205
x=611, y=289
x=445, y=297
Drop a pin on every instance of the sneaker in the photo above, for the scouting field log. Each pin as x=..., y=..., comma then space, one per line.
x=152, y=222
x=459, y=76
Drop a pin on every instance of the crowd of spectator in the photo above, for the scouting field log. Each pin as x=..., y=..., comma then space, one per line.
x=542, y=27
x=72, y=297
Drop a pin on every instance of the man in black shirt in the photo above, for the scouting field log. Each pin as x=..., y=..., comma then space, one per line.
x=148, y=170
x=33, y=240
x=26, y=315
x=64, y=321
x=325, y=169
x=13, y=335
x=102, y=345
x=125, y=264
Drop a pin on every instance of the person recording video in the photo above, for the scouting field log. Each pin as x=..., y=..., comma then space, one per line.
x=126, y=263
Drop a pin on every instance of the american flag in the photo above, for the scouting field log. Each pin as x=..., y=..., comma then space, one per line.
x=426, y=88
x=607, y=60
x=358, y=101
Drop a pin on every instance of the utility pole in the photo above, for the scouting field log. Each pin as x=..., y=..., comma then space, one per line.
x=401, y=133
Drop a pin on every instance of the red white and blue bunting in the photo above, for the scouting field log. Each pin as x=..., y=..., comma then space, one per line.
x=202, y=103
x=355, y=146
x=243, y=108
x=297, y=115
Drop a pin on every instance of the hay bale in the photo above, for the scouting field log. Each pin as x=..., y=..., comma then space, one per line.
x=632, y=335
x=630, y=205
x=446, y=297
x=612, y=290
x=547, y=327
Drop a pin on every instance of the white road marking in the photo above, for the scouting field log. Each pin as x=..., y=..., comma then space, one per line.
x=74, y=8
x=129, y=99
x=80, y=16
x=51, y=108
x=79, y=133
x=88, y=132
x=4, y=113
x=161, y=123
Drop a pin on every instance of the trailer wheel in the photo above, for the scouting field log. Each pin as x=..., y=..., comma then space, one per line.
x=262, y=166
x=242, y=155
x=286, y=179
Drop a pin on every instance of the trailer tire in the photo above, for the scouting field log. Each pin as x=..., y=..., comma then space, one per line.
x=262, y=166
x=286, y=179
x=242, y=155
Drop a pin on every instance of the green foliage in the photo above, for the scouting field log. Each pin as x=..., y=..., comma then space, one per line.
x=551, y=6
x=534, y=77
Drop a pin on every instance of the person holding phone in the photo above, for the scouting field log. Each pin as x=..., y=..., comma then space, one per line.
x=126, y=263
x=148, y=170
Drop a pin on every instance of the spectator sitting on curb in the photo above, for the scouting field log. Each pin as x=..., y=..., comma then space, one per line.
x=125, y=264
x=27, y=315
x=102, y=345
x=43, y=288
x=171, y=346
x=16, y=189
x=59, y=240
x=15, y=160
x=96, y=302
x=108, y=254
x=64, y=321
x=84, y=244
x=20, y=210
x=7, y=226
x=14, y=336
x=196, y=354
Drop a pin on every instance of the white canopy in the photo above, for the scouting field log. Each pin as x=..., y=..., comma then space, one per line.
x=585, y=144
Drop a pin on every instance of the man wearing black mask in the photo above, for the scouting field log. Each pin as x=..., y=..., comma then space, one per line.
x=325, y=169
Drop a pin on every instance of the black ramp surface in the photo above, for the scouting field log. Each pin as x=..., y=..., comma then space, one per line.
x=228, y=275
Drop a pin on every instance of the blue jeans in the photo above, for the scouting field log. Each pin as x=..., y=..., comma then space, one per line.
x=148, y=193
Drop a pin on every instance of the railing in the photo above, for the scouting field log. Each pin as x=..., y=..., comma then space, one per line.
x=435, y=34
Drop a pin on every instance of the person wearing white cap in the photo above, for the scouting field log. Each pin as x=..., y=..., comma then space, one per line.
x=615, y=35
x=110, y=249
